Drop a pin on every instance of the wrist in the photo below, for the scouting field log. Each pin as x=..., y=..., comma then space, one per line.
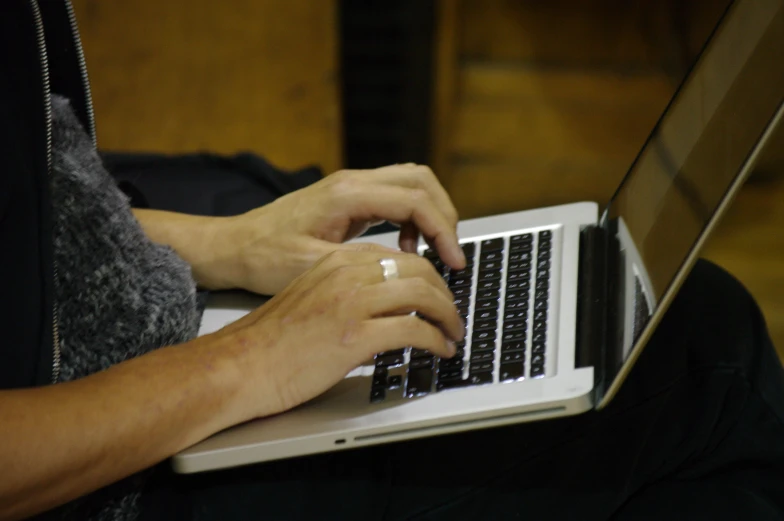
x=219, y=262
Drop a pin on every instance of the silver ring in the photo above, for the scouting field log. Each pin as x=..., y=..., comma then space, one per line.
x=389, y=269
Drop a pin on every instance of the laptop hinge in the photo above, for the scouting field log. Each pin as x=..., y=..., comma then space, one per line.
x=592, y=298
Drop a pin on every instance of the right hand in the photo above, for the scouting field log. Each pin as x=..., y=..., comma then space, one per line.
x=335, y=317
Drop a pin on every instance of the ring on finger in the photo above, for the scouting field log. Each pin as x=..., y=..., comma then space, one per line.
x=389, y=269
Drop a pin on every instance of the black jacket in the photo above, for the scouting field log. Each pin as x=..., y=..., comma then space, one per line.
x=40, y=53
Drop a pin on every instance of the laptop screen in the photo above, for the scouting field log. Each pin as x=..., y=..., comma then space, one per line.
x=694, y=155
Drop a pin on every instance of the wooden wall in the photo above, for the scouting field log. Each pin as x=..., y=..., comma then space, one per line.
x=549, y=102
x=179, y=76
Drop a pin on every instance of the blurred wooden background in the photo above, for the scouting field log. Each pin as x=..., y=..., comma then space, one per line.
x=535, y=103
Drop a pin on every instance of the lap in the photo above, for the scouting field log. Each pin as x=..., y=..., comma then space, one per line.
x=701, y=416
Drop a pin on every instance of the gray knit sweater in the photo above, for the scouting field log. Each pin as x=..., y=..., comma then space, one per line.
x=119, y=294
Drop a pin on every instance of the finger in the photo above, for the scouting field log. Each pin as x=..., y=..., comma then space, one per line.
x=411, y=175
x=359, y=269
x=405, y=296
x=355, y=247
x=403, y=205
x=347, y=270
x=409, y=238
x=387, y=333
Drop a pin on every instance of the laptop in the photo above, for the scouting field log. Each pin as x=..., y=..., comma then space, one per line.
x=559, y=302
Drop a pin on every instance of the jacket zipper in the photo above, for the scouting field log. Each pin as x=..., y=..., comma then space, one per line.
x=39, y=30
x=88, y=97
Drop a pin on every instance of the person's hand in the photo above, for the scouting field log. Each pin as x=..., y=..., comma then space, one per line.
x=267, y=248
x=335, y=317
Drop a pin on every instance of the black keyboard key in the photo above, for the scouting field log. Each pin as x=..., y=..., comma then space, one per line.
x=480, y=378
x=488, y=294
x=463, y=311
x=543, y=254
x=380, y=377
x=545, y=244
x=430, y=254
x=438, y=265
x=543, y=284
x=522, y=256
x=514, y=325
x=513, y=356
x=484, y=356
x=464, y=291
x=545, y=234
x=420, y=353
x=512, y=371
x=515, y=305
x=458, y=282
x=450, y=384
x=539, y=348
x=468, y=249
x=421, y=363
x=446, y=364
x=489, y=275
x=395, y=381
x=482, y=346
x=450, y=374
x=543, y=264
x=539, y=336
x=541, y=294
x=462, y=301
x=540, y=315
x=537, y=370
x=508, y=347
x=393, y=352
x=487, y=314
x=518, y=284
x=480, y=336
x=540, y=304
x=481, y=367
x=515, y=314
x=537, y=360
x=486, y=304
x=419, y=382
x=389, y=360
x=377, y=394
x=485, y=325
x=540, y=325
x=489, y=284
x=513, y=267
x=518, y=275
x=520, y=239
x=493, y=244
x=521, y=248
x=520, y=294
x=542, y=274
x=488, y=256
x=490, y=266
x=515, y=336
x=468, y=272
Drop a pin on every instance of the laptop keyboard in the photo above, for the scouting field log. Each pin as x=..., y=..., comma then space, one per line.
x=506, y=321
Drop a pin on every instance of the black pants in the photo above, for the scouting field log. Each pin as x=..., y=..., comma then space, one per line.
x=696, y=432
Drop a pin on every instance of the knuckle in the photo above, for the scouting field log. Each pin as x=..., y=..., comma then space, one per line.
x=344, y=183
x=419, y=195
x=420, y=288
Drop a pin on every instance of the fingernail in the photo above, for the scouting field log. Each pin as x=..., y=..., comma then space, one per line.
x=451, y=347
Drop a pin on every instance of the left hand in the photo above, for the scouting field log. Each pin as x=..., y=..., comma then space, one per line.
x=272, y=245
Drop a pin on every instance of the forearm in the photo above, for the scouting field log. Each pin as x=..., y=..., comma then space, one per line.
x=63, y=441
x=198, y=240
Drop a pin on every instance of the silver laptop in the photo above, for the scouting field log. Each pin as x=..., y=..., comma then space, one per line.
x=559, y=302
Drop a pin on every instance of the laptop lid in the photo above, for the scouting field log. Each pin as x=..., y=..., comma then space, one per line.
x=702, y=149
